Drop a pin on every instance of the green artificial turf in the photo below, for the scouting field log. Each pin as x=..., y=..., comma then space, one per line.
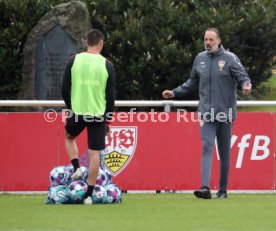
x=152, y=212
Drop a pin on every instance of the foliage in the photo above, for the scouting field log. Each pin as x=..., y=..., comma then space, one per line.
x=17, y=18
x=151, y=43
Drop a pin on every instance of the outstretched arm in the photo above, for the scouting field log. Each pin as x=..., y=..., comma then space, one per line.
x=238, y=71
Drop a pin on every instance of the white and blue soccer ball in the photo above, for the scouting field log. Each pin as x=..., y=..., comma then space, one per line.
x=114, y=194
x=77, y=190
x=58, y=195
x=84, y=173
x=59, y=176
x=109, y=177
x=99, y=195
x=103, y=178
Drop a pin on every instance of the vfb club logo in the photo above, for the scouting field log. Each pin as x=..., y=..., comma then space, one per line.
x=120, y=147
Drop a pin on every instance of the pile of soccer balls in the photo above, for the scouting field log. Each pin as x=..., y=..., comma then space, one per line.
x=63, y=190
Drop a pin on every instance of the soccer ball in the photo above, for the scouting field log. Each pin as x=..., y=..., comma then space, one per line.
x=84, y=173
x=99, y=195
x=109, y=177
x=59, y=176
x=77, y=190
x=58, y=195
x=103, y=177
x=114, y=194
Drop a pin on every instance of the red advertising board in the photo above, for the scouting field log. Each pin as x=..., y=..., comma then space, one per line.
x=144, y=151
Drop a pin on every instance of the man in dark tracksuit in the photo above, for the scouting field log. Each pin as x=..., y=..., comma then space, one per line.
x=88, y=89
x=216, y=72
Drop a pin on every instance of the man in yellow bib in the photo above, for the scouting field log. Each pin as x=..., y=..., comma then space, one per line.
x=88, y=89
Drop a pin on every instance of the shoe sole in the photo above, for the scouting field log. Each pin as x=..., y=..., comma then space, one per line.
x=87, y=202
x=199, y=195
x=77, y=175
x=221, y=195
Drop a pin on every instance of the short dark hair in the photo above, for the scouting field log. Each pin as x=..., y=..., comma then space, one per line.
x=214, y=30
x=94, y=36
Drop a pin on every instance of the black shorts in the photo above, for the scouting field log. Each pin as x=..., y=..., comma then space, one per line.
x=95, y=130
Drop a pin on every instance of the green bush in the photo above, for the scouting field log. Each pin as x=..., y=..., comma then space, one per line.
x=17, y=18
x=153, y=43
